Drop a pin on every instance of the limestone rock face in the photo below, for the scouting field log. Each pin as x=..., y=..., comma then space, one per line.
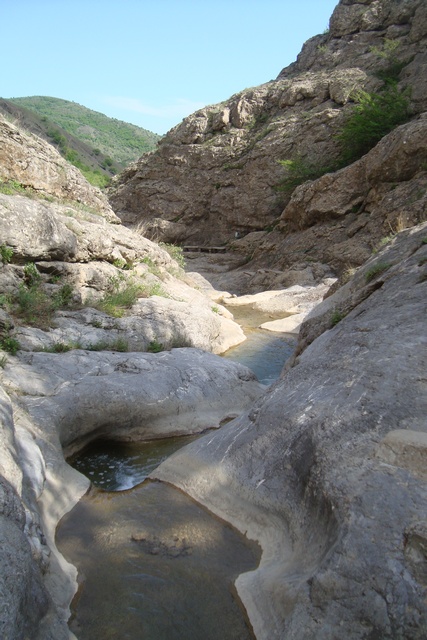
x=82, y=250
x=327, y=470
x=34, y=163
x=216, y=174
x=130, y=396
x=342, y=217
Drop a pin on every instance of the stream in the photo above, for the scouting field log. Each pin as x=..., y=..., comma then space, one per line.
x=153, y=564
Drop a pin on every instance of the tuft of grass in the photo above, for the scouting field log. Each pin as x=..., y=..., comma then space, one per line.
x=60, y=347
x=104, y=345
x=376, y=270
x=155, y=346
x=175, y=252
x=34, y=305
x=3, y=361
x=152, y=266
x=336, y=317
x=122, y=295
x=9, y=344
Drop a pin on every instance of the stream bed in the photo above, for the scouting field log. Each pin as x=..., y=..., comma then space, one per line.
x=153, y=564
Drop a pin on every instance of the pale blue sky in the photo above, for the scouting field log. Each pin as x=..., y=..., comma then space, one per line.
x=150, y=62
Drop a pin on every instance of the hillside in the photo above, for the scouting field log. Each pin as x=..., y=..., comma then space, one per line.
x=100, y=142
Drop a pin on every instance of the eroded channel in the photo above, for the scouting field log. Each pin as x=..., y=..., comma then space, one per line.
x=153, y=564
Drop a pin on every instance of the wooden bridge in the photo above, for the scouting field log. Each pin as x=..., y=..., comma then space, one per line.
x=204, y=249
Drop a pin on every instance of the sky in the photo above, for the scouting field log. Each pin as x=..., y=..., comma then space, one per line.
x=150, y=62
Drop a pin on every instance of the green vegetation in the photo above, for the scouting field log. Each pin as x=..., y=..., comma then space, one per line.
x=152, y=266
x=6, y=253
x=120, y=296
x=96, y=177
x=393, y=66
x=155, y=346
x=3, y=361
x=34, y=305
x=376, y=270
x=175, y=252
x=61, y=347
x=120, y=142
x=13, y=187
x=9, y=344
x=120, y=344
x=154, y=289
x=119, y=263
x=374, y=115
x=32, y=276
x=299, y=171
x=336, y=317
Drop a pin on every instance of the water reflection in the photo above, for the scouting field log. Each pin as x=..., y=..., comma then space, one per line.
x=264, y=352
x=154, y=565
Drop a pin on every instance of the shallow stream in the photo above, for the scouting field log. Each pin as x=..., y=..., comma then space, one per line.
x=153, y=564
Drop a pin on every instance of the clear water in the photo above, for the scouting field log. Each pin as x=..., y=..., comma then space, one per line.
x=264, y=352
x=153, y=564
x=117, y=466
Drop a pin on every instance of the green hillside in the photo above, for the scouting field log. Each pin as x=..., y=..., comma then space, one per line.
x=117, y=140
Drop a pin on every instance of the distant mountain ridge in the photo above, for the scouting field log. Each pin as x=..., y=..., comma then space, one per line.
x=98, y=145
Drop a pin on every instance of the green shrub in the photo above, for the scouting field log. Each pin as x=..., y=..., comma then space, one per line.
x=299, y=171
x=32, y=276
x=9, y=344
x=34, y=305
x=63, y=297
x=6, y=253
x=391, y=72
x=375, y=115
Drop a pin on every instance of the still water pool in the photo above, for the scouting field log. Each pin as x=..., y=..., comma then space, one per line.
x=153, y=564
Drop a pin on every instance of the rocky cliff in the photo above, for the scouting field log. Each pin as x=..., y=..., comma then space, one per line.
x=217, y=174
x=327, y=468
